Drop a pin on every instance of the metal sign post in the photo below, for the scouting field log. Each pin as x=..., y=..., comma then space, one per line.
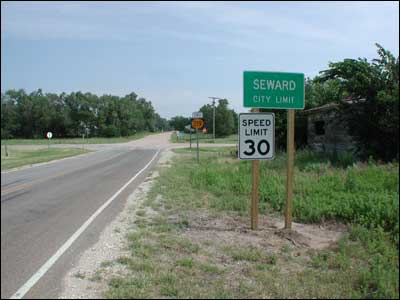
x=197, y=123
x=197, y=134
x=49, y=135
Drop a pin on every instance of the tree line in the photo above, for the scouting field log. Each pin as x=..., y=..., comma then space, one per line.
x=71, y=115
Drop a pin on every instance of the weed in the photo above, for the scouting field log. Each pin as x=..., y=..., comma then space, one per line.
x=185, y=262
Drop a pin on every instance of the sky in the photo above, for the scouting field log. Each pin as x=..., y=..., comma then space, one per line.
x=177, y=54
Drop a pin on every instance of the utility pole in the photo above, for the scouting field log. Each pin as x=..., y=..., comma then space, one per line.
x=213, y=103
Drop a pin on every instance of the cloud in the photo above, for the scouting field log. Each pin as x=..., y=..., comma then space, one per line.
x=241, y=26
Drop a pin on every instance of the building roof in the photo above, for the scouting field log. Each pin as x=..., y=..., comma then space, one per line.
x=328, y=106
x=331, y=105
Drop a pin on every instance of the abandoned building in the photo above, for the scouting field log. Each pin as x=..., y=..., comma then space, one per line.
x=327, y=131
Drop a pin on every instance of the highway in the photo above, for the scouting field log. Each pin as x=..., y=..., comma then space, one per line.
x=51, y=213
x=43, y=206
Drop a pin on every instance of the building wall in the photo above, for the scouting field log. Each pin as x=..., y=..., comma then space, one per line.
x=335, y=137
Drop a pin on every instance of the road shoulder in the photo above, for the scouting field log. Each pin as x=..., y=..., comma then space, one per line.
x=88, y=279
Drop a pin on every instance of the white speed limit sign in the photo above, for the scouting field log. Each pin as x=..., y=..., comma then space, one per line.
x=256, y=136
x=49, y=135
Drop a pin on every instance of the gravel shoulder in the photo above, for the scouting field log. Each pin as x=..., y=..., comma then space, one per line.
x=88, y=278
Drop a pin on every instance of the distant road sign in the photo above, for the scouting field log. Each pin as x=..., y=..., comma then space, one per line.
x=49, y=135
x=197, y=123
x=256, y=136
x=273, y=90
x=197, y=115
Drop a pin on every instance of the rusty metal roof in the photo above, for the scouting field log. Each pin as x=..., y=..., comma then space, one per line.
x=327, y=106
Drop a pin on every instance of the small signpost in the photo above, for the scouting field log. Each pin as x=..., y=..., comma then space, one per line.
x=189, y=127
x=49, y=135
x=86, y=131
x=197, y=124
x=276, y=90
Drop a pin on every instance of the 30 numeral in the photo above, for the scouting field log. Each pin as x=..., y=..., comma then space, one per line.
x=263, y=147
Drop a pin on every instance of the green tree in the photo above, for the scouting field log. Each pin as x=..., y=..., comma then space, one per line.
x=319, y=92
x=179, y=122
x=161, y=124
x=207, y=111
x=9, y=117
x=30, y=116
x=373, y=113
x=224, y=119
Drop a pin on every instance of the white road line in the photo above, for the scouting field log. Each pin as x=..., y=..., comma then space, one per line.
x=50, y=262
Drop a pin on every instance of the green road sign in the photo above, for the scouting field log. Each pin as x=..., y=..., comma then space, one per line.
x=273, y=90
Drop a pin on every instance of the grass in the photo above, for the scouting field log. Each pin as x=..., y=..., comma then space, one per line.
x=169, y=258
x=365, y=194
x=249, y=254
x=91, y=140
x=18, y=158
x=204, y=138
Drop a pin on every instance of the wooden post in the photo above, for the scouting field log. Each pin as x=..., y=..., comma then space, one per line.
x=290, y=166
x=254, y=192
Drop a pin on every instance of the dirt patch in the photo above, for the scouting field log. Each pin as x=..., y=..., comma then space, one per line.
x=310, y=235
x=270, y=235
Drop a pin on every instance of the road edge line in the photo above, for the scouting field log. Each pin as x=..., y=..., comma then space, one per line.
x=24, y=289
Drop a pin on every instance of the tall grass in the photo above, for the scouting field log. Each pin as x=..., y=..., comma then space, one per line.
x=365, y=194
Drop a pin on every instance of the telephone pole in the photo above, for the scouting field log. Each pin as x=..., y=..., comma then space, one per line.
x=213, y=103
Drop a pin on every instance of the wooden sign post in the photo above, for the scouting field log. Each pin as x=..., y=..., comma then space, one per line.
x=290, y=166
x=254, y=192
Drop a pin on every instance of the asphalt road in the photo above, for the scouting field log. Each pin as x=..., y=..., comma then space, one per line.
x=43, y=206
